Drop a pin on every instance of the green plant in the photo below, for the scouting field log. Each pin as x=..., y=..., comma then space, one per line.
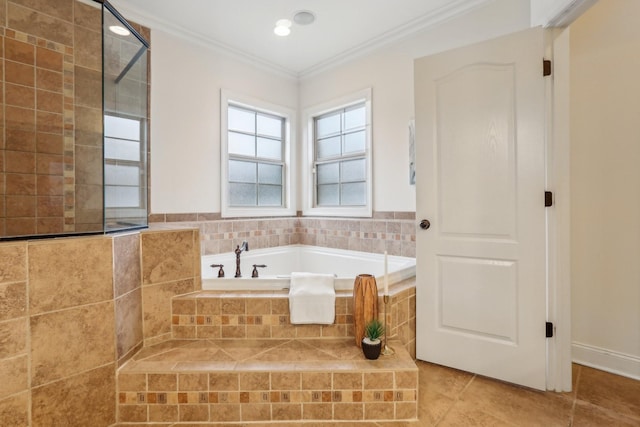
x=374, y=330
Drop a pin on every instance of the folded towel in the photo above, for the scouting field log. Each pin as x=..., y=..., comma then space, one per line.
x=312, y=298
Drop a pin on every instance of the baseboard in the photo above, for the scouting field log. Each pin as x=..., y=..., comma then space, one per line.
x=606, y=360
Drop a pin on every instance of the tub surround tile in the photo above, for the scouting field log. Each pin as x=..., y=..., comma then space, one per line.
x=68, y=273
x=13, y=268
x=128, y=320
x=13, y=300
x=393, y=231
x=81, y=400
x=59, y=341
x=15, y=410
x=14, y=374
x=127, y=274
x=13, y=337
x=167, y=256
x=157, y=305
x=262, y=391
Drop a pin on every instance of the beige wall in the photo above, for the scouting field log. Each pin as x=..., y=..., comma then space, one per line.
x=605, y=189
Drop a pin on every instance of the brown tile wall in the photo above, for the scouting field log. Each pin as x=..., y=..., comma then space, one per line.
x=170, y=264
x=51, y=126
x=390, y=231
x=58, y=332
x=242, y=315
x=268, y=396
x=83, y=147
x=127, y=286
x=71, y=311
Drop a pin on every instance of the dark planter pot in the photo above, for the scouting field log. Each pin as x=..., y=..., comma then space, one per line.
x=371, y=351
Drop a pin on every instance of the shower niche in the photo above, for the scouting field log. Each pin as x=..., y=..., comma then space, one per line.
x=74, y=150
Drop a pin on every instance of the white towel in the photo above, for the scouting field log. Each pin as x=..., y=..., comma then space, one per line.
x=312, y=298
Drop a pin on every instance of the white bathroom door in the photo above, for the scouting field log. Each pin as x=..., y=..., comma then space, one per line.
x=480, y=168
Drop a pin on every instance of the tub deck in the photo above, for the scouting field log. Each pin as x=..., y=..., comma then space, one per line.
x=268, y=380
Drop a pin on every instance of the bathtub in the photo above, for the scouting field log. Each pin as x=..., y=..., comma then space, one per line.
x=281, y=261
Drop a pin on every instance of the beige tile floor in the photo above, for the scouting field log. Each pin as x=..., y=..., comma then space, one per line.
x=454, y=398
x=448, y=397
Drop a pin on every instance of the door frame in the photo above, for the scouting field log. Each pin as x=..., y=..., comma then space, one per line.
x=558, y=153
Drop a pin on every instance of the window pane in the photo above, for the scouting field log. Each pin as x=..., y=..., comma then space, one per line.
x=121, y=175
x=354, y=142
x=242, y=120
x=328, y=125
x=269, y=174
x=242, y=194
x=121, y=149
x=328, y=195
x=118, y=127
x=329, y=173
x=353, y=194
x=121, y=197
x=241, y=144
x=242, y=171
x=270, y=126
x=329, y=147
x=270, y=148
x=269, y=195
x=353, y=170
x=354, y=118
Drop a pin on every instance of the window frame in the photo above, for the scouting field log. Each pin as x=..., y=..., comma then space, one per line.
x=288, y=208
x=310, y=207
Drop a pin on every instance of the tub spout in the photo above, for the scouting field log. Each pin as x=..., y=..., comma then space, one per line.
x=238, y=251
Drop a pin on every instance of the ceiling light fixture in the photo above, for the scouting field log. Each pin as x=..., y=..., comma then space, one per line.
x=304, y=17
x=119, y=30
x=283, y=27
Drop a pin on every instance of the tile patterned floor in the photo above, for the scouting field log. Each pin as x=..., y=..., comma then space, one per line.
x=448, y=397
x=454, y=398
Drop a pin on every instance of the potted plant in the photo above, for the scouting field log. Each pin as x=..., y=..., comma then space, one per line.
x=371, y=343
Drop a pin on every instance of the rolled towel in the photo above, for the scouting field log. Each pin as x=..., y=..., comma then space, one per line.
x=312, y=298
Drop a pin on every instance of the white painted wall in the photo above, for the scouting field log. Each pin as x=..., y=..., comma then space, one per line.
x=605, y=186
x=389, y=72
x=186, y=79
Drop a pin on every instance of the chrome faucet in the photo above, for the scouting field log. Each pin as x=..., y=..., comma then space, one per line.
x=238, y=251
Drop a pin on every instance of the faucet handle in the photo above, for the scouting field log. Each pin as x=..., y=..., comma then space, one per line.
x=221, y=271
x=254, y=273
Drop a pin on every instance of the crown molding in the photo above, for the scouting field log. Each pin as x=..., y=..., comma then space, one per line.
x=422, y=23
x=452, y=9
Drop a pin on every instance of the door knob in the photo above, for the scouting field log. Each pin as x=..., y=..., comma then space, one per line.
x=425, y=224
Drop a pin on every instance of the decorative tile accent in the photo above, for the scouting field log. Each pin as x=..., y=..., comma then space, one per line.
x=390, y=231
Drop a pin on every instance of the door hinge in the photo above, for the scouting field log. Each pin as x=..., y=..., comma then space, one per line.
x=549, y=329
x=546, y=67
x=548, y=199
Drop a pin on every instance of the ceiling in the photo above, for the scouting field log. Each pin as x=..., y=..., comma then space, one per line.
x=343, y=29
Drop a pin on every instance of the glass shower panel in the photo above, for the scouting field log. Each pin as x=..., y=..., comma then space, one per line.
x=125, y=80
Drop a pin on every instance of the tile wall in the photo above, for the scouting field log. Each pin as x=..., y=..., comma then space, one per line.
x=57, y=297
x=72, y=310
x=259, y=315
x=51, y=129
x=253, y=396
x=170, y=266
x=390, y=231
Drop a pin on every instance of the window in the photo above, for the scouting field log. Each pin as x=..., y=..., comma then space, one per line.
x=255, y=158
x=339, y=157
x=124, y=169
